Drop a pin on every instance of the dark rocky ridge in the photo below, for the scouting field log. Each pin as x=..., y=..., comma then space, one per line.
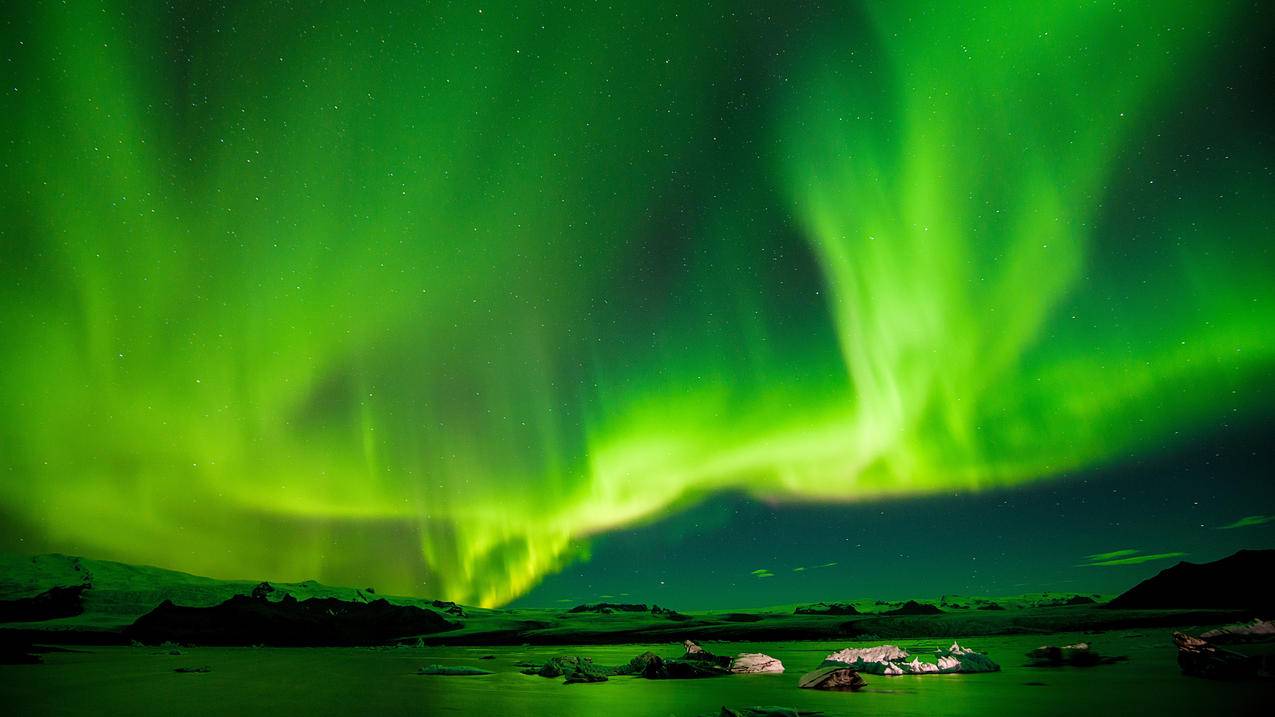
x=826, y=608
x=117, y=595
x=609, y=608
x=244, y=620
x=1073, y=600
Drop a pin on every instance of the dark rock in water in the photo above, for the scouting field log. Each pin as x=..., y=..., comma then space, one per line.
x=693, y=648
x=579, y=669
x=694, y=664
x=1199, y=658
x=487, y=657
x=555, y=667
x=583, y=675
x=1078, y=655
x=56, y=602
x=203, y=668
x=740, y=617
x=1234, y=582
x=826, y=608
x=640, y=664
x=832, y=678
x=456, y=670
x=695, y=653
x=262, y=591
x=243, y=620
x=912, y=607
x=990, y=606
x=652, y=667
x=562, y=665
x=686, y=670
x=604, y=607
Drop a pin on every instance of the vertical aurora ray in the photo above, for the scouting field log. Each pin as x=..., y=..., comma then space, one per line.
x=983, y=339
x=423, y=297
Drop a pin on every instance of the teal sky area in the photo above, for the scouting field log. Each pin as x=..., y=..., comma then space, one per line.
x=1099, y=531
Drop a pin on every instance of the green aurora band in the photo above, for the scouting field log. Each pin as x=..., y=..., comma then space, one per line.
x=424, y=298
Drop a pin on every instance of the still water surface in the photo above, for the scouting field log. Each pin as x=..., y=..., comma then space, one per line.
x=141, y=681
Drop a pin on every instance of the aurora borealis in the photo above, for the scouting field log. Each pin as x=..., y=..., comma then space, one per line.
x=426, y=296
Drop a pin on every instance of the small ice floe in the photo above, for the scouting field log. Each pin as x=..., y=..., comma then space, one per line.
x=755, y=662
x=880, y=653
x=1202, y=658
x=893, y=660
x=1256, y=631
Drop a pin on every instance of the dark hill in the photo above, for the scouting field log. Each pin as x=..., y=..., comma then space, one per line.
x=56, y=602
x=826, y=608
x=1235, y=582
x=609, y=607
x=289, y=622
x=912, y=607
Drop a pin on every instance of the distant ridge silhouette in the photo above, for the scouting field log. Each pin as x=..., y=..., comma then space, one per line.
x=1237, y=581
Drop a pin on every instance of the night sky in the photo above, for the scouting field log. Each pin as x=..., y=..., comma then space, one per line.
x=546, y=303
x=1180, y=505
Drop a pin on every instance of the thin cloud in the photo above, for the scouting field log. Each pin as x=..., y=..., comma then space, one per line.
x=1249, y=521
x=763, y=573
x=1125, y=557
x=1097, y=557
